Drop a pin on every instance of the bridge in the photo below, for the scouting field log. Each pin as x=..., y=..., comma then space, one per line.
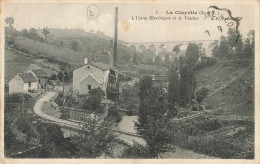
x=159, y=47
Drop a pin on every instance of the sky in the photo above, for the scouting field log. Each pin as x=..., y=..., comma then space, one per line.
x=74, y=15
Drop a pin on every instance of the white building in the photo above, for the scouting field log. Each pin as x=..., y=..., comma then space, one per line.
x=90, y=76
x=22, y=83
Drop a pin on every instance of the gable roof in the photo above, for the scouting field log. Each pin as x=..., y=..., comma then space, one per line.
x=28, y=77
x=101, y=66
x=94, y=76
x=40, y=72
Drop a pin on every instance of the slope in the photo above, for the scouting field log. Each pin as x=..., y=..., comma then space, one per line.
x=231, y=85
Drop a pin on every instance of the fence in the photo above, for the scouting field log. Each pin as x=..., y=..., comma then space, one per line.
x=235, y=117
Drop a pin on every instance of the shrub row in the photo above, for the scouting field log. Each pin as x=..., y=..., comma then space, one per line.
x=17, y=97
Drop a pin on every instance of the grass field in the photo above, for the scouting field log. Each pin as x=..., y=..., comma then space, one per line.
x=233, y=85
x=220, y=74
x=237, y=98
x=60, y=53
x=15, y=63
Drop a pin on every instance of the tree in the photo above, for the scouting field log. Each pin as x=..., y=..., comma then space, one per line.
x=174, y=86
x=25, y=32
x=176, y=49
x=187, y=85
x=95, y=140
x=158, y=60
x=223, y=47
x=144, y=86
x=148, y=60
x=45, y=32
x=202, y=52
x=153, y=117
x=248, y=50
x=152, y=48
x=10, y=30
x=215, y=51
x=9, y=21
x=52, y=139
x=134, y=58
x=33, y=34
x=93, y=101
x=192, y=54
x=234, y=41
x=201, y=94
x=251, y=36
x=74, y=45
x=97, y=92
x=167, y=61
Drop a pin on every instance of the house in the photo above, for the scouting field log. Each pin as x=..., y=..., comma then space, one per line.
x=23, y=83
x=41, y=75
x=91, y=76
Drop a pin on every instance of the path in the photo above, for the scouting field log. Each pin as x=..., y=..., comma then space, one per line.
x=127, y=125
x=38, y=110
x=125, y=136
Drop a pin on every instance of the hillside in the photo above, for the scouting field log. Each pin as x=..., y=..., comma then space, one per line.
x=15, y=63
x=48, y=50
x=90, y=46
x=231, y=85
x=56, y=35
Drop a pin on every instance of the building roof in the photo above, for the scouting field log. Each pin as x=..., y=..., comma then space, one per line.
x=31, y=67
x=101, y=66
x=95, y=76
x=28, y=77
x=40, y=72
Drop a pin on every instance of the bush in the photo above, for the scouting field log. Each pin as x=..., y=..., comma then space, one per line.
x=130, y=113
x=53, y=77
x=201, y=94
x=206, y=62
x=75, y=45
x=17, y=97
x=59, y=100
x=32, y=91
x=114, y=114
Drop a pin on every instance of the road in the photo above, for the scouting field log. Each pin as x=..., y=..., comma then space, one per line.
x=126, y=125
x=49, y=95
x=38, y=110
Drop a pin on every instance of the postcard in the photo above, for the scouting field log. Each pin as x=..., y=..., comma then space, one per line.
x=130, y=82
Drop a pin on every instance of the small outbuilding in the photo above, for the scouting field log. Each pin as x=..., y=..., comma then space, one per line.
x=23, y=83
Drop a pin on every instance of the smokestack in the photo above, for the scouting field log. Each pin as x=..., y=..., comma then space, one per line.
x=115, y=39
x=111, y=54
x=85, y=61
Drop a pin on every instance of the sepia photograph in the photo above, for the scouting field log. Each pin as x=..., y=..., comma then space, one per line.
x=133, y=80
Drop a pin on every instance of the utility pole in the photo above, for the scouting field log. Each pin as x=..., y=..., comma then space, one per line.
x=23, y=106
x=63, y=88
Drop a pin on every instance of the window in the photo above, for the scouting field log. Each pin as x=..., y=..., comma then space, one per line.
x=29, y=84
x=89, y=87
